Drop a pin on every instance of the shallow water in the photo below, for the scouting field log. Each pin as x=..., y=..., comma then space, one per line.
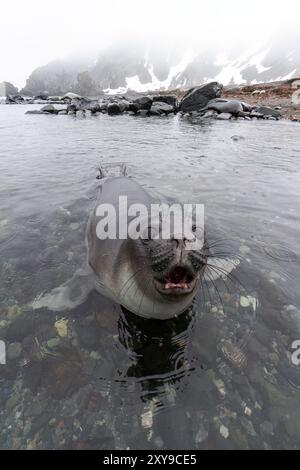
x=98, y=377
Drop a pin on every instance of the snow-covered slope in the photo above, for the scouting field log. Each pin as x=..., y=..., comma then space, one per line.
x=127, y=67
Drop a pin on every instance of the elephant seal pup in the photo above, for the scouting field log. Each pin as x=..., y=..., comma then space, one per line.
x=153, y=278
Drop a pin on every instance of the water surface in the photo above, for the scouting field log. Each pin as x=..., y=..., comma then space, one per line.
x=99, y=377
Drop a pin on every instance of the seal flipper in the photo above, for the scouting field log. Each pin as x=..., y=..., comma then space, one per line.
x=70, y=294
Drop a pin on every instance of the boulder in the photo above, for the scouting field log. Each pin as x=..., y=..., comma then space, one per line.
x=224, y=116
x=103, y=106
x=80, y=103
x=62, y=112
x=113, y=109
x=133, y=108
x=94, y=107
x=70, y=96
x=143, y=112
x=54, y=98
x=144, y=102
x=158, y=108
x=266, y=111
x=71, y=108
x=198, y=97
x=169, y=99
x=35, y=111
x=49, y=108
x=42, y=96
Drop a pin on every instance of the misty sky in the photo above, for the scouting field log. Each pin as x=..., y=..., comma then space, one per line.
x=33, y=32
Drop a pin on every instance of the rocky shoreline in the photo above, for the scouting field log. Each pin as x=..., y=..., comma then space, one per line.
x=270, y=101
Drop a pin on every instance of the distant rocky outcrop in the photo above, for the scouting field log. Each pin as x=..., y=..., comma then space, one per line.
x=7, y=88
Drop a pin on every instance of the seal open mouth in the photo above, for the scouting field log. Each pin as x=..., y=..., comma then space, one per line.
x=180, y=280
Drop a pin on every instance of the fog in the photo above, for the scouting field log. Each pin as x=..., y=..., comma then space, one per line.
x=32, y=33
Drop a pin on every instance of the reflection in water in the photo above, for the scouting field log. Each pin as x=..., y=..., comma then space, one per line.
x=158, y=349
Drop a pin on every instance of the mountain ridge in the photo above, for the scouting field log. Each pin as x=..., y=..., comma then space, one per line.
x=120, y=69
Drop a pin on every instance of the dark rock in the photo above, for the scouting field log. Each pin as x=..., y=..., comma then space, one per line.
x=35, y=111
x=144, y=102
x=198, y=97
x=266, y=111
x=49, y=108
x=123, y=105
x=133, y=108
x=81, y=103
x=88, y=336
x=42, y=96
x=71, y=108
x=14, y=99
x=14, y=351
x=168, y=99
x=114, y=109
x=143, y=112
x=94, y=107
x=159, y=107
x=54, y=98
x=103, y=105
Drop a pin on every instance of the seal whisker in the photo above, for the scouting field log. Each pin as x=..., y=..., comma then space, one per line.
x=131, y=278
x=223, y=271
x=217, y=290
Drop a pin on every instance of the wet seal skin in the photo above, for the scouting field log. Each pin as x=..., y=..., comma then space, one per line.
x=153, y=278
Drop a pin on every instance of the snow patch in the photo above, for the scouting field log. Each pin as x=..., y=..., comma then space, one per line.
x=133, y=83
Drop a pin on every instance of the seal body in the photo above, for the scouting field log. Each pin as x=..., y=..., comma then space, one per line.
x=153, y=277
x=126, y=269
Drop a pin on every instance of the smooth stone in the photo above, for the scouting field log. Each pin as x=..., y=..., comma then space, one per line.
x=49, y=108
x=159, y=107
x=35, y=111
x=113, y=109
x=224, y=116
x=143, y=112
x=201, y=435
x=168, y=99
x=53, y=343
x=144, y=102
x=266, y=111
x=12, y=402
x=14, y=351
x=224, y=431
x=70, y=96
